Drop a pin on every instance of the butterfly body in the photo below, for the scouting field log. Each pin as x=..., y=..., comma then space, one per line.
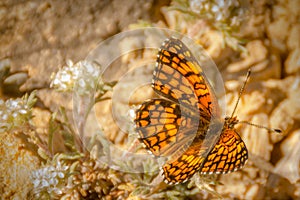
x=186, y=125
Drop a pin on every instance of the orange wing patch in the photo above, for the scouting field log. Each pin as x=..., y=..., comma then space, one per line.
x=228, y=155
x=158, y=123
x=184, y=167
x=179, y=78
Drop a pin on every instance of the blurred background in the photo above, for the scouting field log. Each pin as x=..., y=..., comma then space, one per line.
x=38, y=37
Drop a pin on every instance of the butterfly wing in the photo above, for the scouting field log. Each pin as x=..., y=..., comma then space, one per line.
x=179, y=126
x=184, y=167
x=179, y=77
x=228, y=155
x=163, y=127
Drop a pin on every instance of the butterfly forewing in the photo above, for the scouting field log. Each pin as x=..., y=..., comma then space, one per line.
x=178, y=77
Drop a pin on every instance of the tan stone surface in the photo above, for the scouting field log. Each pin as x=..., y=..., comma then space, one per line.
x=38, y=37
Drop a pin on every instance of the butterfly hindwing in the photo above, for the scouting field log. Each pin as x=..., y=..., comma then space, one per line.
x=228, y=155
x=184, y=167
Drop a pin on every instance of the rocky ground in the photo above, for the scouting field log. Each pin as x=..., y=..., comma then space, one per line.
x=38, y=37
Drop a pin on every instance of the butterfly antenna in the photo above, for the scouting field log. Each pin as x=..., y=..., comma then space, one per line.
x=241, y=91
x=260, y=126
x=246, y=122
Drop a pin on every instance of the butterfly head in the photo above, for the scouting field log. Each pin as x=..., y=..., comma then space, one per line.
x=230, y=122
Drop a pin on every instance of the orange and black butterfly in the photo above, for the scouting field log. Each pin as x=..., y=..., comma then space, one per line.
x=184, y=124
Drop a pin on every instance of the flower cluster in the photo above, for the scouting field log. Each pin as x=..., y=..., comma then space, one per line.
x=227, y=12
x=70, y=176
x=47, y=180
x=16, y=112
x=82, y=77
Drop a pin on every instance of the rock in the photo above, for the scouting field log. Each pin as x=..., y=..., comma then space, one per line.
x=257, y=53
x=39, y=36
x=212, y=41
x=277, y=32
x=285, y=115
x=257, y=139
x=17, y=78
x=252, y=192
x=13, y=82
x=288, y=165
x=4, y=66
x=293, y=8
x=129, y=45
x=293, y=40
x=292, y=63
x=249, y=104
x=231, y=187
x=16, y=165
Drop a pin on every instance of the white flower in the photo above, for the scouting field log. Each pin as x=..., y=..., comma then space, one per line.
x=15, y=112
x=50, y=178
x=81, y=77
x=219, y=10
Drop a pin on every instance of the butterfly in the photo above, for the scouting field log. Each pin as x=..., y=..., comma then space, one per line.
x=185, y=125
